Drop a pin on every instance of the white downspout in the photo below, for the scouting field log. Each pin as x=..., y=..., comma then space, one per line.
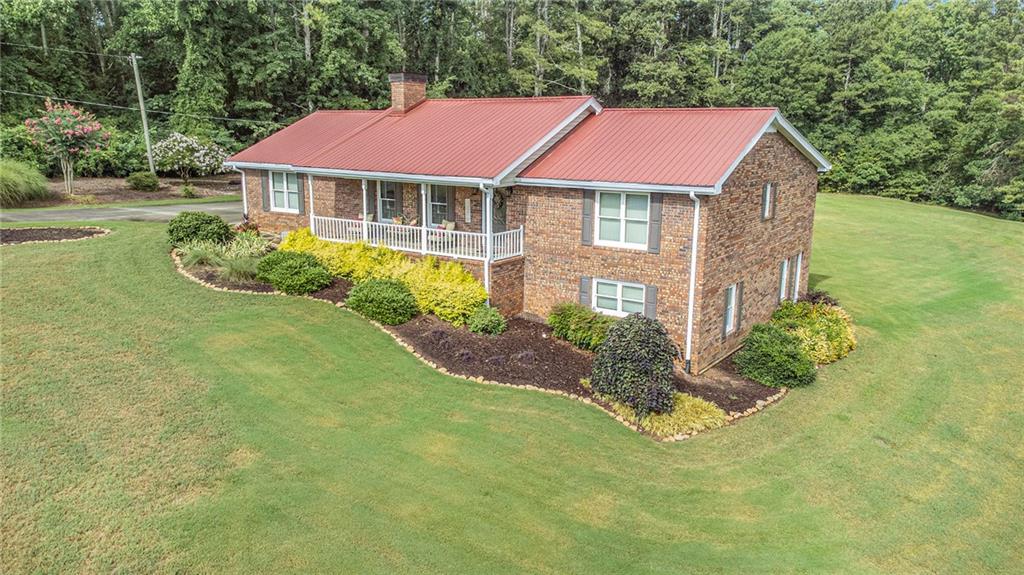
x=245, y=195
x=693, y=278
x=312, y=222
x=485, y=212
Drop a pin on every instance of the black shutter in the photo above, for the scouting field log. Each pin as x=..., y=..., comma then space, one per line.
x=302, y=193
x=450, y=201
x=265, y=185
x=651, y=301
x=739, y=306
x=588, y=218
x=585, y=291
x=654, y=225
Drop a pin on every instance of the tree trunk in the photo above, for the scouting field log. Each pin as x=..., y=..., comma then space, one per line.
x=67, y=169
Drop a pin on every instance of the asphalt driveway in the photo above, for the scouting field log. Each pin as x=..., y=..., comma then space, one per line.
x=230, y=211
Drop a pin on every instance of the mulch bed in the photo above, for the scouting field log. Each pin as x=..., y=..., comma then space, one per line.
x=527, y=354
x=334, y=293
x=95, y=191
x=22, y=235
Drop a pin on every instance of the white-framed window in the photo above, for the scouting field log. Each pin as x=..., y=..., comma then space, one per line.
x=618, y=298
x=622, y=219
x=438, y=204
x=284, y=192
x=795, y=273
x=783, y=279
x=768, y=201
x=730, y=308
x=387, y=201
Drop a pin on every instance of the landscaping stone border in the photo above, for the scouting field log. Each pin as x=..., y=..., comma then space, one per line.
x=102, y=232
x=730, y=417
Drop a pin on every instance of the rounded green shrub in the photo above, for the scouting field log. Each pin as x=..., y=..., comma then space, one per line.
x=20, y=183
x=197, y=226
x=487, y=320
x=143, y=181
x=579, y=325
x=293, y=273
x=384, y=300
x=634, y=365
x=774, y=357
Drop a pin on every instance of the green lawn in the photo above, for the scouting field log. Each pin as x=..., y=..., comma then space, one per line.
x=152, y=424
x=139, y=203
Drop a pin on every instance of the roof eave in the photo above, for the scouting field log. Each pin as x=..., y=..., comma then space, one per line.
x=362, y=174
x=618, y=186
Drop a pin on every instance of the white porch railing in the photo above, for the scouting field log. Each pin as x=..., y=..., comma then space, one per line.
x=450, y=243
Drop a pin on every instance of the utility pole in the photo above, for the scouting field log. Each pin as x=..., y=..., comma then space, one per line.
x=142, y=110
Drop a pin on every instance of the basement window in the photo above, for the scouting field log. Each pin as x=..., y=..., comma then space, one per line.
x=618, y=298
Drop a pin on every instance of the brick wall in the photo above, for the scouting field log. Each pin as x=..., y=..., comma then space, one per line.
x=507, y=285
x=268, y=221
x=555, y=258
x=738, y=246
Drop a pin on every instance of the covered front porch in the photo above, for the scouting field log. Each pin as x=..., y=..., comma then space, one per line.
x=462, y=222
x=422, y=239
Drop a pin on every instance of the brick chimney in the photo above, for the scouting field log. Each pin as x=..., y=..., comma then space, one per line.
x=407, y=91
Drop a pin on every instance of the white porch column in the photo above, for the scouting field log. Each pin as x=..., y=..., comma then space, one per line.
x=488, y=216
x=424, y=206
x=364, y=226
x=312, y=221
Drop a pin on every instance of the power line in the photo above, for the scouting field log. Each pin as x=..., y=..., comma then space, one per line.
x=69, y=50
x=101, y=104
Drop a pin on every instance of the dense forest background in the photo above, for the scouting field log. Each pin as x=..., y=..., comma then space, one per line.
x=909, y=99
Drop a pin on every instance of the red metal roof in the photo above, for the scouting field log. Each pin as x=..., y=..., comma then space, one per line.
x=669, y=146
x=307, y=136
x=471, y=137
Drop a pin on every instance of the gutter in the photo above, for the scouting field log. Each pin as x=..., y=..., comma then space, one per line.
x=361, y=174
x=245, y=194
x=693, y=279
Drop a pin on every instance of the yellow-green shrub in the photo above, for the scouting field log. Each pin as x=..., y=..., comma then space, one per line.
x=689, y=415
x=444, y=289
x=825, y=331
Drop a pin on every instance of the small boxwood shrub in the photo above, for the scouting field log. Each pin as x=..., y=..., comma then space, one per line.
x=293, y=273
x=825, y=331
x=20, y=183
x=773, y=357
x=579, y=325
x=689, y=415
x=487, y=320
x=143, y=181
x=634, y=365
x=198, y=226
x=384, y=300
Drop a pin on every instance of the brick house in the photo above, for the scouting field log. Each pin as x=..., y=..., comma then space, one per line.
x=699, y=217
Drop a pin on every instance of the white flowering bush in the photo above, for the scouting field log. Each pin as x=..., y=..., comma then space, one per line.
x=188, y=156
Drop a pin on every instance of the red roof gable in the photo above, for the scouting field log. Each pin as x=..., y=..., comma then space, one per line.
x=307, y=136
x=683, y=147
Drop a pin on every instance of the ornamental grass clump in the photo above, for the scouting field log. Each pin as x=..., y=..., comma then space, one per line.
x=689, y=415
x=774, y=357
x=825, y=331
x=383, y=300
x=20, y=183
x=293, y=273
x=634, y=365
